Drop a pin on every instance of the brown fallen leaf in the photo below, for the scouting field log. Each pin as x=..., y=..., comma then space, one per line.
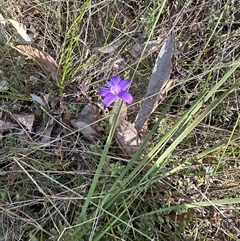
x=145, y=48
x=85, y=129
x=88, y=123
x=89, y=114
x=164, y=91
x=5, y=126
x=110, y=47
x=127, y=138
x=25, y=119
x=46, y=136
x=43, y=59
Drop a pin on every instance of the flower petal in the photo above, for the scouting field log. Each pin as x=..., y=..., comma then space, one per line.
x=104, y=91
x=124, y=95
x=124, y=84
x=109, y=99
x=115, y=80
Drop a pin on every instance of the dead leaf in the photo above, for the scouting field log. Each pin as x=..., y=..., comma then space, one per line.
x=25, y=119
x=127, y=138
x=85, y=129
x=43, y=59
x=30, y=10
x=2, y=21
x=38, y=99
x=160, y=75
x=164, y=91
x=2, y=30
x=89, y=114
x=5, y=126
x=145, y=48
x=21, y=30
x=88, y=122
x=109, y=48
x=46, y=136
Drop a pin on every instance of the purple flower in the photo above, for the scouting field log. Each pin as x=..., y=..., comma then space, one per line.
x=116, y=88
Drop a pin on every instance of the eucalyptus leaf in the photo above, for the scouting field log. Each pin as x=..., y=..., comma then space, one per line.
x=144, y=49
x=37, y=99
x=21, y=29
x=2, y=31
x=110, y=47
x=160, y=75
x=2, y=21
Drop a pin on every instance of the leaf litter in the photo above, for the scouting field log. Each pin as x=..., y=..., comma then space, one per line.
x=26, y=120
x=127, y=138
x=109, y=48
x=46, y=135
x=88, y=123
x=125, y=127
x=23, y=46
x=43, y=59
x=6, y=126
x=38, y=99
x=160, y=75
x=21, y=30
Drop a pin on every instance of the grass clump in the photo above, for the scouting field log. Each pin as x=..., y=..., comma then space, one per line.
x=183, y=181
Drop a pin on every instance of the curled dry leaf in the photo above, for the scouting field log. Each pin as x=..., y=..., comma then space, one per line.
x=127, y=138
x=25, y=119
x=43, y=59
